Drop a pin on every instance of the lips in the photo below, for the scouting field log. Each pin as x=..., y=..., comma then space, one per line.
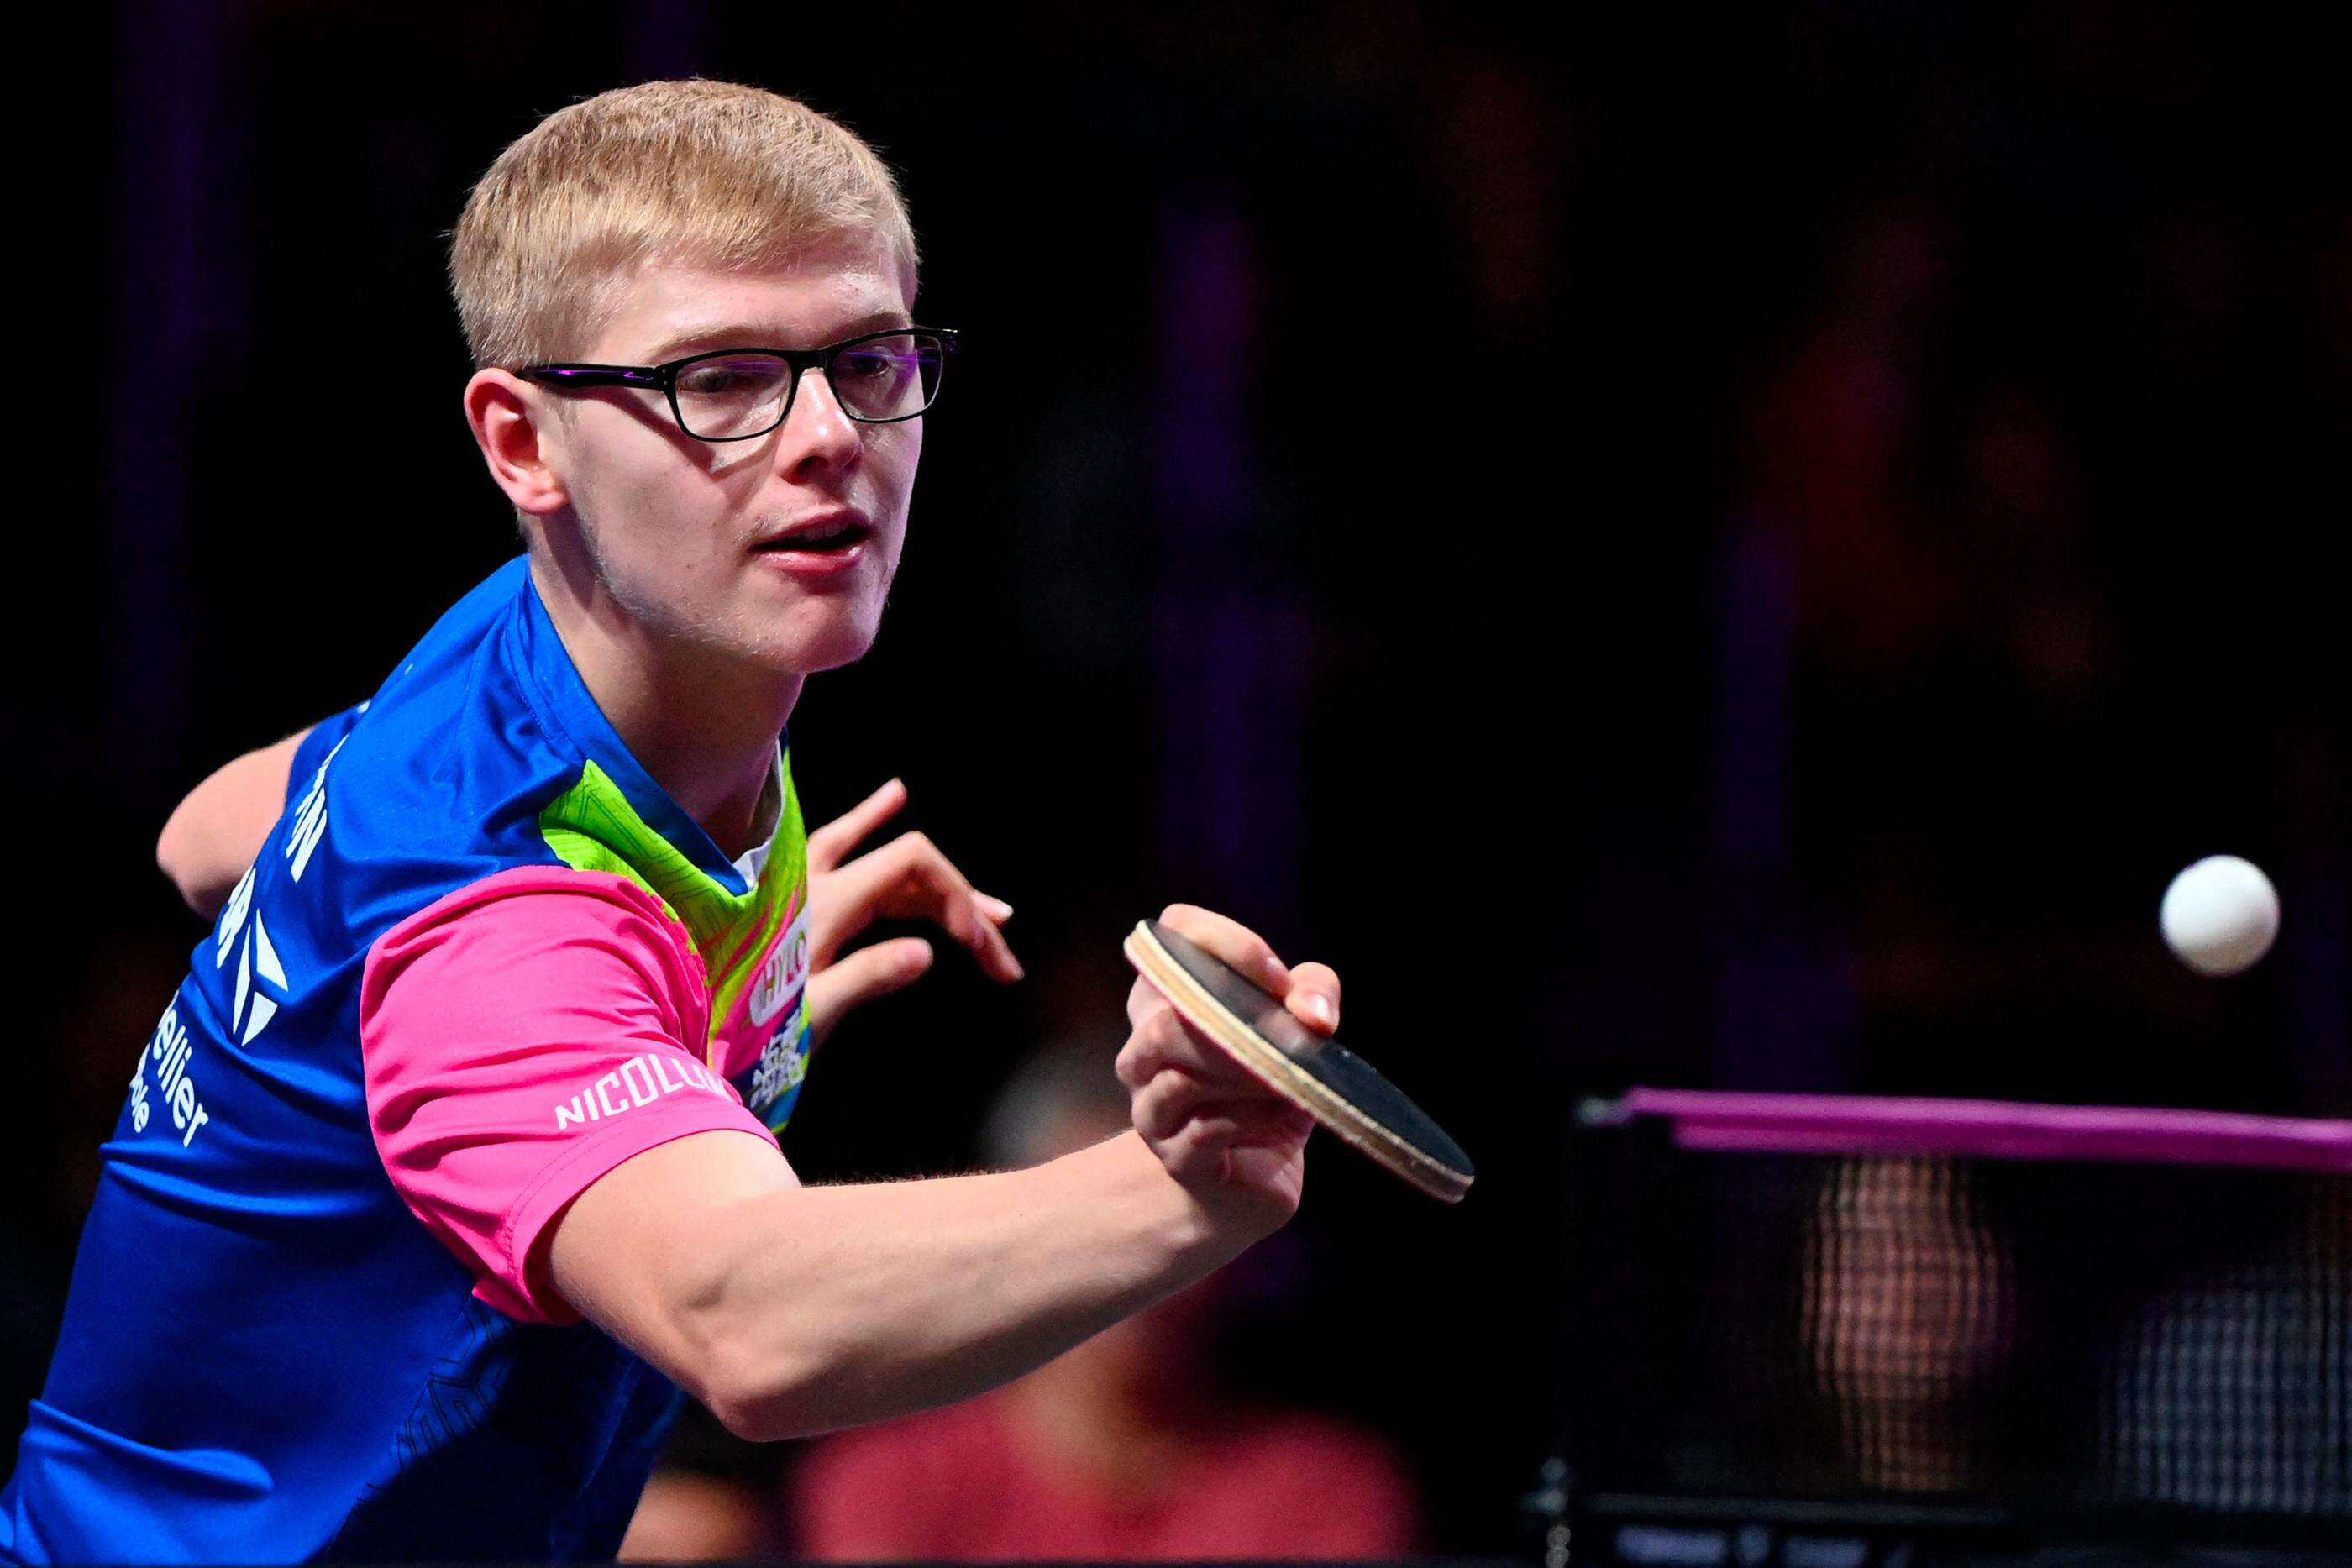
x=821, y=537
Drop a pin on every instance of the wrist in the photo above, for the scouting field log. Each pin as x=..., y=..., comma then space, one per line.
x=1194, y=1238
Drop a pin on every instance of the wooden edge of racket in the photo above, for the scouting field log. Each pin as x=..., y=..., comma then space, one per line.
x=1284, y=1076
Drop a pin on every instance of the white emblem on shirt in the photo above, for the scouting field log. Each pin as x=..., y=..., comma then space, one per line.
x=259, y=970
x=785, y=972
x=640, y=1080
x=310, y=816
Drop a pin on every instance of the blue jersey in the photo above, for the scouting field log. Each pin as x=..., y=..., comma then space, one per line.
x=306, y=1317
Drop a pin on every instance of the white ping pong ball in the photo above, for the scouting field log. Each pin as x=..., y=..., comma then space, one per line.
x=2220, y=914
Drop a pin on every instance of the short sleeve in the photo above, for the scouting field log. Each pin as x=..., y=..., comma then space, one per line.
x=520, y=1039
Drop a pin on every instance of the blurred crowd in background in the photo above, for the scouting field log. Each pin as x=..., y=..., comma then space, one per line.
x=1708, y=550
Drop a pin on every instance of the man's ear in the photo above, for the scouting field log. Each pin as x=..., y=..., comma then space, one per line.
x=509, y=426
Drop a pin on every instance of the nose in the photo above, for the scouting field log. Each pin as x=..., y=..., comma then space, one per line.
x=818, y=435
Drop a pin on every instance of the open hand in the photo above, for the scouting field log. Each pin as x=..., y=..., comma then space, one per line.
x=908, y=878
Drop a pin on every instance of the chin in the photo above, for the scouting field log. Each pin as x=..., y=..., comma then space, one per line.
x=831, y=642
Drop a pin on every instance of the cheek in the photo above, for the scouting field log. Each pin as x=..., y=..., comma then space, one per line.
x=892, y=451
x=648, y=509
x=894, y=472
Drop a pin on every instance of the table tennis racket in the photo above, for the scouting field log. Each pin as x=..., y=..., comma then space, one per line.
x=1314, y=1072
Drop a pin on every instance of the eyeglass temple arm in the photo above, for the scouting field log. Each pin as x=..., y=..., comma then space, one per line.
x=594, y=375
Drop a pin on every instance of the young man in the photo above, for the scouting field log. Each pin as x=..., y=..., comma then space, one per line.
x=454, y=1158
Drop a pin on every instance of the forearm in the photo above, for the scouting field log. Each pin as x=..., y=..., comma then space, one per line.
x=848, y=1304
x=789, y=1310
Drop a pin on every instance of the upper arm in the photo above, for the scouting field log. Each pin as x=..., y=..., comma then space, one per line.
x=646, y=1245
x=218, y=829
x=524, y=1039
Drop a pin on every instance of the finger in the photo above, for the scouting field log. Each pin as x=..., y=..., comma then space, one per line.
x=1141, y=1058
x=1314, y=996
x=1161, y=1040
x=1175, y=1095
x=911, y=878
x=1235, y=1123
x=995, y=908
x=1209, y=1151
x=830, y=844
x=1162, y=1107
x=1191, y=1162
x=1144, y=1002
x=1229, y=939
x=858, y=978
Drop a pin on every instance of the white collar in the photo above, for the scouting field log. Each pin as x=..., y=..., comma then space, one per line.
x=767, y=819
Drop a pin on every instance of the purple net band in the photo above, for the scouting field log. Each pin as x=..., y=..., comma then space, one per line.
x=1993, y=1129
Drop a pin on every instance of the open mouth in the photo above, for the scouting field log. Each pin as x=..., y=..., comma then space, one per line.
x=826, y=539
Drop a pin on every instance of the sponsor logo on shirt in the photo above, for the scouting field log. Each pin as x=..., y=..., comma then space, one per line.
x=638, y=1082
x=783, y=1064
x=166, y=1057
x=781, y=978
x=259, y=970
x=310, y=816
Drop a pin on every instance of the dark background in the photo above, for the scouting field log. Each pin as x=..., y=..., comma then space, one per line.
x=1733, y=550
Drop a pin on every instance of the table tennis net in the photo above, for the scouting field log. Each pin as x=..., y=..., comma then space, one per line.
x=1998, y=1336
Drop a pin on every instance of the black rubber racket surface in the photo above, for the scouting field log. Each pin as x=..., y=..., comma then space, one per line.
x=1318, y=1075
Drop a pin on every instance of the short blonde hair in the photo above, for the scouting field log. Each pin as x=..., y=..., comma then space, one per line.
x=703, y=172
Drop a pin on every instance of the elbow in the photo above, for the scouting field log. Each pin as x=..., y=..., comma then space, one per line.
x=761, y=1402
x=179, y=855
x=748, y=1416
x=764, y=1381
x=771, y=1354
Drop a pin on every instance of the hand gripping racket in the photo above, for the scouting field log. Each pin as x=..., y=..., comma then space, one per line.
x=1318, y=1075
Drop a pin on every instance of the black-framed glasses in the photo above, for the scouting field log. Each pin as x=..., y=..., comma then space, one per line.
x=736, y=394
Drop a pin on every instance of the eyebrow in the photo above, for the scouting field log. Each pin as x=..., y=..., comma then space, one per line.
x=741, y=335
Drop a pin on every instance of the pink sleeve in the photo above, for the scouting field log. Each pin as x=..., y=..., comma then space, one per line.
x=521, y=1038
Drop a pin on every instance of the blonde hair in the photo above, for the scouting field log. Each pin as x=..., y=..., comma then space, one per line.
x=703, y=172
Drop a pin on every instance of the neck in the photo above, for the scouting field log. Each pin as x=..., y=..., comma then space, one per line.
x=704, y=727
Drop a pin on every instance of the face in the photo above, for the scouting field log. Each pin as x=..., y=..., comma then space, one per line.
x=693, y=540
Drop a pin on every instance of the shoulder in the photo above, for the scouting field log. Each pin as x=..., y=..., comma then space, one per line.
x=438, y=780
x=459, y=699
x=527, y=975
x=538, y=935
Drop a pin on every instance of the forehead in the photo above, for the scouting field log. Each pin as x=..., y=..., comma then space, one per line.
x=830, y=290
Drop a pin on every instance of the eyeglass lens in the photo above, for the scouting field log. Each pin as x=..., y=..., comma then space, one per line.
x=737, y=395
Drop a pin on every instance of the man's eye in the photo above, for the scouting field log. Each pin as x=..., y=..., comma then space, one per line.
x=726, y=380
